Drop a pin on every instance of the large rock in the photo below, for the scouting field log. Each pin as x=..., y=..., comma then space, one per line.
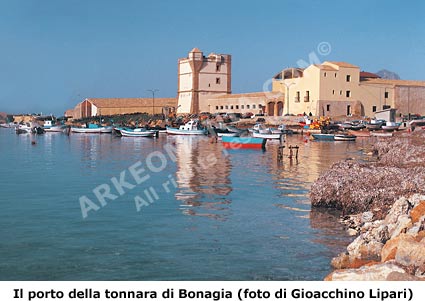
x=411, y=253
x=418, y=212
x=379, y=272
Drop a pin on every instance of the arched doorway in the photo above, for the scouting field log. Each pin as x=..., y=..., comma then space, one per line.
x=279, y=108
x=270, y=108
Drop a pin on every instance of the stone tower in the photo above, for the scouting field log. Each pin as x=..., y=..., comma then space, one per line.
x=201, y=77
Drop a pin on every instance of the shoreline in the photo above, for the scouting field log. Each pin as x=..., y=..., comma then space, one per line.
x=383, y=205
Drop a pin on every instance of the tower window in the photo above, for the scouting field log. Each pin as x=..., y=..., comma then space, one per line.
x=217, y=67
x=348, y=78
x=216, y=107
x=217, y=80
x=333, y=92
x=348, y=93
x=373, y=108
x=386, y=94
x=237, y=107
x=324, y=74
x=328, y=108
x=247, y=106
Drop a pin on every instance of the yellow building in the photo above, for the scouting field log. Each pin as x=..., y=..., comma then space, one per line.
x=339, y=88
x=116, y=106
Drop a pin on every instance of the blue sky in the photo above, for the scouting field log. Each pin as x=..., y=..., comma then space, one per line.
x=53, y=53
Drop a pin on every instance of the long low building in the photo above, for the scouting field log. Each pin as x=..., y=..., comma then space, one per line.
x=90, y=107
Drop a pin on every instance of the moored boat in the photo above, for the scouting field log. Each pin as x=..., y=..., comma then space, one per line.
x=267, y=135
x=138, y=132
x=381, y=134
x=92, y=129
x=190, y=128
x=324, y=137
x=243, y=142
x=344, y=137
x=390, y=126
x=375, y=124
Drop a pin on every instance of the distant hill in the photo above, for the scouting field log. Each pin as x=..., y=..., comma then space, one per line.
x=387, y=74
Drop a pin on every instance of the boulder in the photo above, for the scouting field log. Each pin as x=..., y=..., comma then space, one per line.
x=418, y=212
x=377, y=272
x=411, y=253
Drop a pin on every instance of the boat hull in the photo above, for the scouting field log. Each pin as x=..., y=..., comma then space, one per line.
x=267, y=136
x=146, y=133
x=324, y=137
x=243, y=142
x=101, y=130
x=173, y=131
x=345, y=138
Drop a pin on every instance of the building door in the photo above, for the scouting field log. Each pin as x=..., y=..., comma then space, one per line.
x=348, y=110
x=270, y=109
x=280, y=108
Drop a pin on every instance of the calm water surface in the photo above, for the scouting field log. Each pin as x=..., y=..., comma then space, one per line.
x=236, y=215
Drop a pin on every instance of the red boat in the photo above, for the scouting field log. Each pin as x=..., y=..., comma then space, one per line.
x=243, y=142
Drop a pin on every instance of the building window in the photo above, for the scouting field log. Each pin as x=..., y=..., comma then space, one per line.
x=216, y=107
x=247, y=106
x=348, y=78
x=348, y=93
x=253, y=106
x=324, y=74
x=373, y=108
x=328, y=108
x=333, y=92
x=348, y=110
x=297, y=96
x=340, y=92
x=260, y=106
x=237, y=107
x=242, y=107
x=307, y=96
x=217, y=67
x=386, y=94
x=209, y=85
x=384, y=107
x=335, y=74
x=217, y=80
x=231, y=107
x=227, y=107
x=221, y=107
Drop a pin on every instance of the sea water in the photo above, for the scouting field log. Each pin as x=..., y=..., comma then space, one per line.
x=208, y=213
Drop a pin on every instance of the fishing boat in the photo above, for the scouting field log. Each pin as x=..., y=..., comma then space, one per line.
x=190, y=128
x=243, y=142
x=138, y=132
x=345, y=137
x=390, y=126
x=23, y=129
x=267, y=135
x=324, y=137
x=92, y=129
x=375, y=124
x=49, y=126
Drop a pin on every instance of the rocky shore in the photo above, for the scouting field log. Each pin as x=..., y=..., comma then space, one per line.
x=383, y=203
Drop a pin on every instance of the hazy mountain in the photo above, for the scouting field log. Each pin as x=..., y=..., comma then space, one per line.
x=387, y=74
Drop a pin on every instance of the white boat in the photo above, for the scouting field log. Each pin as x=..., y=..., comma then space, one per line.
x=190, y=128
x=24, y=129
x=93, y=129
x=138, y=132
x=266, y=135
x=390, y=126
x=49, y=126
x=228, y=134
x=381, y=134
x=344, y=137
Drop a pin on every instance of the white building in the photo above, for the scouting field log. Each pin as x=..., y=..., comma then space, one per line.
x=199, y=78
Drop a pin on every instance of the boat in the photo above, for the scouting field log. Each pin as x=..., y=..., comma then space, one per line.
x=190, y=128
x=138, y=132
x=345, y=137
x=49, y=126
x=23, y=129
x=268, y=135
x=324, y=137
x=375, y=124
x=227, y=134
x=390, y=126
x=243, y=142
x=92, y=129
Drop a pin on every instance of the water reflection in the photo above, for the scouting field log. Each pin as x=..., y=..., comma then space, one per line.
x=202, y=176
